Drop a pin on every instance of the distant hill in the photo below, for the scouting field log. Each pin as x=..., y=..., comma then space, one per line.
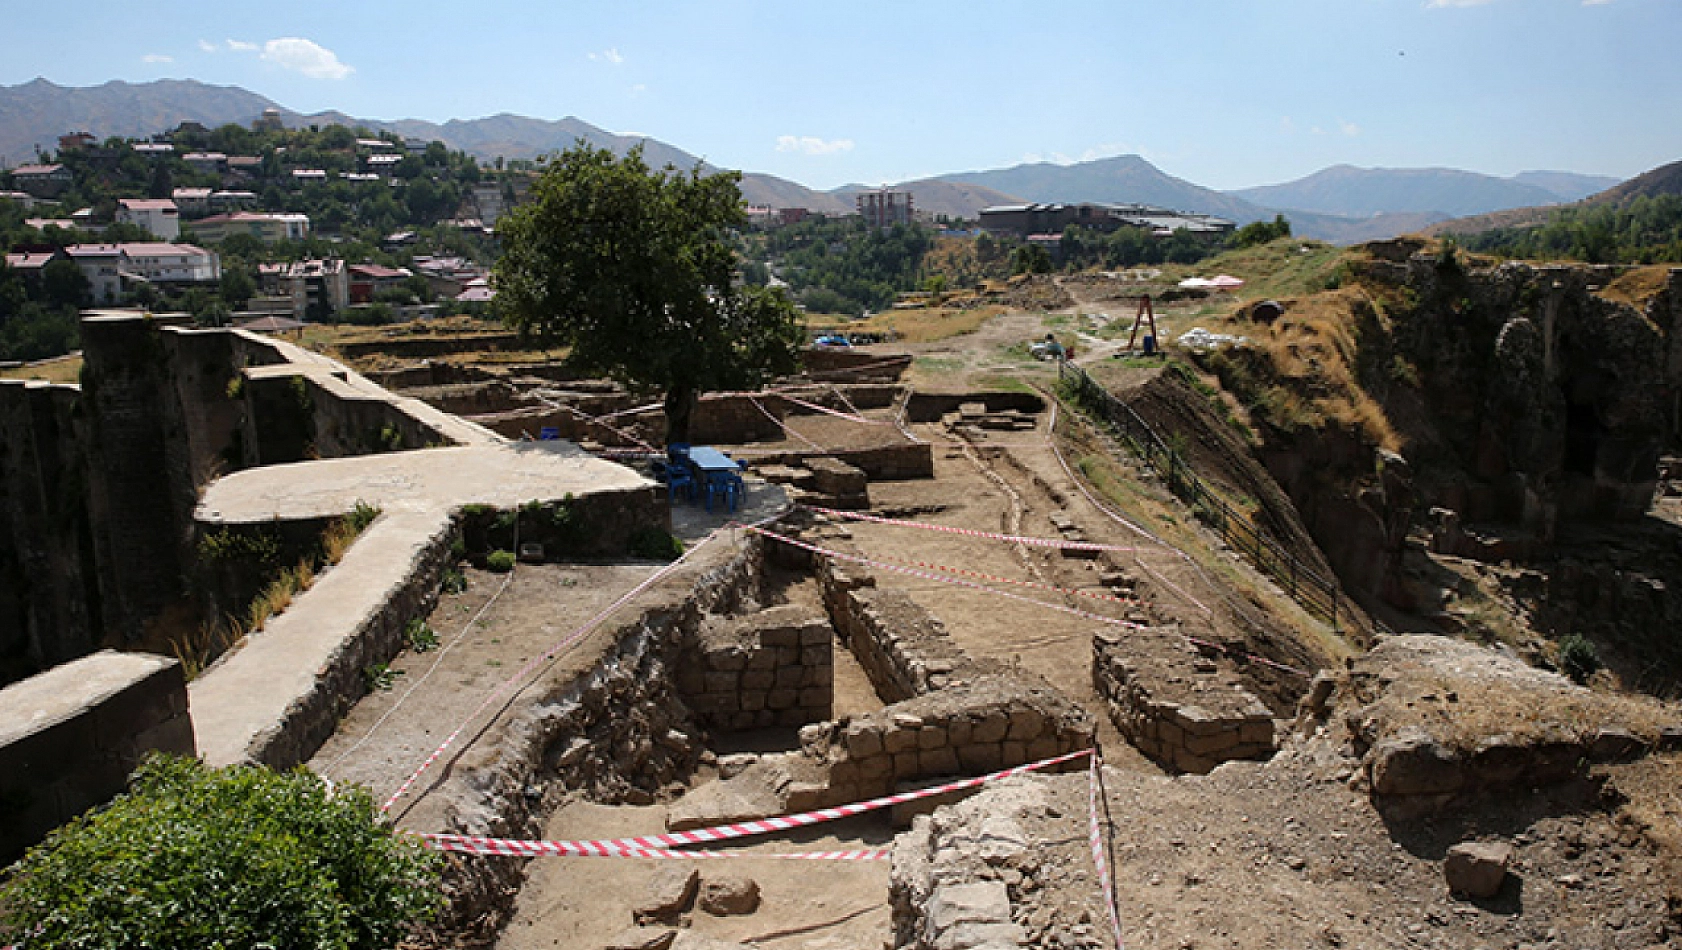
x=1342, y=205
x=1361, y=192
x=1664, y=180
x=34, y=114
x=1569, y=186
x=1123, y=179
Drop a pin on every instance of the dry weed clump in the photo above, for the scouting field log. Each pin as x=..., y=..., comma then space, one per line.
x=195, y=650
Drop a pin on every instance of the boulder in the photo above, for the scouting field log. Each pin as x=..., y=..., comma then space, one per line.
x=724, y=895
x=1414, y=764
x=1477, y=868
x=670, y=894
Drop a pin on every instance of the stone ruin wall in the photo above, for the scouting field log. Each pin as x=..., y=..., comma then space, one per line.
x=774, y=668
x=948, y=714
x=98, y=481
x=1210, y=718
x=85, y=726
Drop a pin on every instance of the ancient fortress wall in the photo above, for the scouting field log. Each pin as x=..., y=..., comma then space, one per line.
x=98, y=480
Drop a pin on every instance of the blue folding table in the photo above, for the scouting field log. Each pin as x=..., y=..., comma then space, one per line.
x=718, y=475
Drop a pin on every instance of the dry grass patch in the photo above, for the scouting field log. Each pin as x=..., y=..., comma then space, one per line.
x=62, y=369
x=1638, y=285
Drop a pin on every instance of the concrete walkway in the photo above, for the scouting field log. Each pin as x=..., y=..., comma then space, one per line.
x=278, y=696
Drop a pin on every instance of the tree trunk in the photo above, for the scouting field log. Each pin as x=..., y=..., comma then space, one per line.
x=680, y=407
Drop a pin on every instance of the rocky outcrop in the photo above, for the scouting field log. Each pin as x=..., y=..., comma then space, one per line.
x=1434, y=720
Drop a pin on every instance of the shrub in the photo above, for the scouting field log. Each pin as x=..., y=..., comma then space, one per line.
x=235, y=857
x=1578, y=657
x=419, y=636
x=499, y=562
x=656, y=544
x=454, y=582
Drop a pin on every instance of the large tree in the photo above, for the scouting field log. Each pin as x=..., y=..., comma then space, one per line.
x=631, y=268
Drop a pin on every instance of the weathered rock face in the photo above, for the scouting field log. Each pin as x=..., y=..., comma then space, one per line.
x=1436, y=719
x=1522, y=398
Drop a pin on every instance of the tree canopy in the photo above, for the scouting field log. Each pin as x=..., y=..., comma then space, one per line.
x=632, y=269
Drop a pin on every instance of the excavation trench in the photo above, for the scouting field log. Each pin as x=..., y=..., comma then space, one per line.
x=760, y=678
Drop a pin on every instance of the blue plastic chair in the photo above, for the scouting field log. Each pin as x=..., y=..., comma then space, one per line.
x=680, y=481
x=549, y=433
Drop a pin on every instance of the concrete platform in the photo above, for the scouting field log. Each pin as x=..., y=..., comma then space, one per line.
x=441, y=480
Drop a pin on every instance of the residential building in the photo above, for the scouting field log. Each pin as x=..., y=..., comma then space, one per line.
x=41, y=224
x=42, y=181
x=159, y=216
x=192, y=202
x=76, y=140
x=447, y=276
x=21, y=197
x=153, y=149
x=110, y=268
x=225, y=201
x=248, y=165
x=32, y=264
x=102, y=265
x=267, y=228
x=883, y=208
x=269, y=121
x=384, y=162
x=368, y=280
x=164, y=263
x=309, y=174
x=316, y=287
x=211, y=163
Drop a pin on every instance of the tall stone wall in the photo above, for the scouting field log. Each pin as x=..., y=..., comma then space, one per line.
x=98, y=481
x=49, y=587
x=70, y=737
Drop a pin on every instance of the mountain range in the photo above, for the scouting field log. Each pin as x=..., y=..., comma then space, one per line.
x=1341, y=204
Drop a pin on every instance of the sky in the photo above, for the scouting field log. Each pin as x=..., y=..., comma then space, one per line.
x=1223, y=93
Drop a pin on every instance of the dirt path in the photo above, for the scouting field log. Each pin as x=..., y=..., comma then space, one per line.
x=485, y=634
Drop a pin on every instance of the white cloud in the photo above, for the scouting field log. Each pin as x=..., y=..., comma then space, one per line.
x=304, y=56
x=1286, y=125
x=812, y=145
x=609, y=55
x=157, y=58
x=240, y=46
x=639, y=89
x=1348, y=128
x=1595, y=3
x=1457, y=3
x=207, y=46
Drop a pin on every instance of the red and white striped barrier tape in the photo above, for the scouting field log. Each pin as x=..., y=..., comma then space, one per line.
x=526, y=670
x=505, y=848
x=630, y=847
x=783, y=425
x=1099, y=862
x=926, y=575
x=970, y=532
x=825, y=409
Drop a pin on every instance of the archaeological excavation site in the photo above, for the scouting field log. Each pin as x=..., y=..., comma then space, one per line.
x=1361, y=632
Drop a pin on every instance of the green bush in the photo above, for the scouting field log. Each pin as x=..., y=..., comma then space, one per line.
x=1578, y=657
x=235, y=857
x=499, y=562
x=656, y=544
